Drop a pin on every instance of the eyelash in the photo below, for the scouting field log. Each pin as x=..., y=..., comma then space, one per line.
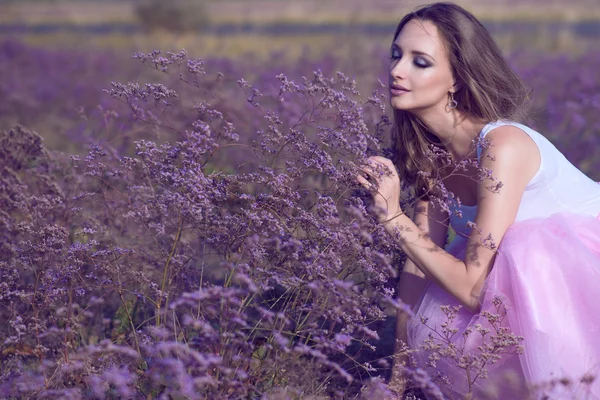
x=423, y=65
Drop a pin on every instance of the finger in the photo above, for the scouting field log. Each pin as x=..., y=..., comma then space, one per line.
x=379, y=160
x=383, y=160
x=361, y=180
x=371, y=174
x=367, y=170
x=386, y=164
x=365, y=183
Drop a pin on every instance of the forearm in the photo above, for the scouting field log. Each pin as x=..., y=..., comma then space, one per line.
x=411, y=284
x=438, y=265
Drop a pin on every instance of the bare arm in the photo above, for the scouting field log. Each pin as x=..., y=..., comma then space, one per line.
x=433, y=222
x=514, y=159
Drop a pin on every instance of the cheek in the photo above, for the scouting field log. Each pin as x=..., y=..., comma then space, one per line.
x=435, y=82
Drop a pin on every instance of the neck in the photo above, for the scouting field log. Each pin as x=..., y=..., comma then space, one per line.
x=456, y=131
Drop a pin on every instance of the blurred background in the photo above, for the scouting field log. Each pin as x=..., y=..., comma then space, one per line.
x=233, y=27
x=56, y=56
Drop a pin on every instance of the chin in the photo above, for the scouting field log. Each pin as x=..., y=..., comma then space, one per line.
x=400, y=105
x=417, y=109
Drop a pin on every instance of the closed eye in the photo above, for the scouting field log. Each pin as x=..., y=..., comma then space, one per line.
x=419, y=60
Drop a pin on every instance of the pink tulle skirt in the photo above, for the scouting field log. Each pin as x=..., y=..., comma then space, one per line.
x=545, y=288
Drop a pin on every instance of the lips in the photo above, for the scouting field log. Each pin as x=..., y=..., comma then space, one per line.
x=397, y=90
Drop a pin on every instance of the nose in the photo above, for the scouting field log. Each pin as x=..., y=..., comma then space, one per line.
x=398, y=69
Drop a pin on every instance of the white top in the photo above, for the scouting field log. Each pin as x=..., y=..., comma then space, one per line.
x=558, y=186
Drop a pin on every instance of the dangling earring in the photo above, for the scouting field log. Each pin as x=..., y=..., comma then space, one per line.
x=452, y=103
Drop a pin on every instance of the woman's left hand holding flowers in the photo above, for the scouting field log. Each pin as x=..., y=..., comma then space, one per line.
x=380, y=177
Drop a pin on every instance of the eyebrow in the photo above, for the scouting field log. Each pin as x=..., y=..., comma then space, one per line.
x=417, y=52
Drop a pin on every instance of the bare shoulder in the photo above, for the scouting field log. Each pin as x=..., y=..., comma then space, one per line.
x=511, y=154
x=510, y=140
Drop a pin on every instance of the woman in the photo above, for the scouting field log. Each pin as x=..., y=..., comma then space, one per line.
x=527, y=230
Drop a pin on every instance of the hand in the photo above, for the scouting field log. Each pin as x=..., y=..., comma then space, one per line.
x=382, y=180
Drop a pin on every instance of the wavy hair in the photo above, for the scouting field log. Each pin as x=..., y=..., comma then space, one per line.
x=487, y=88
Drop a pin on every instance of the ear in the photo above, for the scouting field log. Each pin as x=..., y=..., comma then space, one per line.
x=456, y=86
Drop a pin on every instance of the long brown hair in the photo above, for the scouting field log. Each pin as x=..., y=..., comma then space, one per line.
x=487, y=88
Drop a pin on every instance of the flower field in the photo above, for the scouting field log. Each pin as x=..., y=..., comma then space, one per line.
x=177, y=225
